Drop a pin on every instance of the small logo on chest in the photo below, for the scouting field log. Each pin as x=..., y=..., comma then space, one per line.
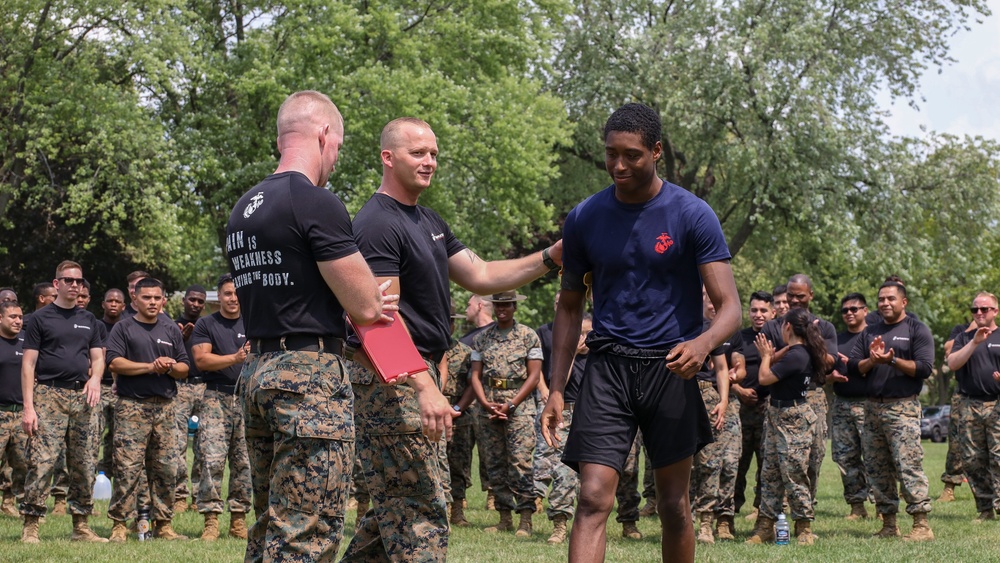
x=255, y=202
x=437, y=237
x=663, y=243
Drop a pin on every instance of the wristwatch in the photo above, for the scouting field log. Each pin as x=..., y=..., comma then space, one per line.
x=892, y=362
x=511, y=406
x=548, y=261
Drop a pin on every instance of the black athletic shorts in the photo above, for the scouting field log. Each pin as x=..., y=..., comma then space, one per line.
x=625, y=389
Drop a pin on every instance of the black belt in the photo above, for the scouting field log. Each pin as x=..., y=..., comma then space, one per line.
x=59, y=384
x=983, y=398
x=11, y=408
x=221, y=388
x=192, y=380
x=298, y=343
x=891, y=399
x=786, y=403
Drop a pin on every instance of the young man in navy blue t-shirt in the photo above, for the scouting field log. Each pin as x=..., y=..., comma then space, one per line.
x=648, y=246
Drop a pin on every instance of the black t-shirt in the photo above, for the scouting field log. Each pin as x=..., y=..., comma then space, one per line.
x=276, y=234
x=734, y=344
x=413, y=243
x=142, y=342
x=11, y=353
x=107, y=378
x=471, y=335
x=226, y=337
x=575, y=378
x=794, y=372
x=752, y=357
x=772, y=330
x=874, y=317
x=975, y=378
x=856, y=386
x=545, y=335
x=63, y=338
x=911, y=340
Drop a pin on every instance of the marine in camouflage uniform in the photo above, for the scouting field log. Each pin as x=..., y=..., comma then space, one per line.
x=817, y=400
x=13, y=439
x=459, y=393
x=848, y=410
x=789, y=438
x=731, y=439
x=187, y=403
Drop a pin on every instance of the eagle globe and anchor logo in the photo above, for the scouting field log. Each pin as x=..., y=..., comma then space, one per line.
x=255, y=202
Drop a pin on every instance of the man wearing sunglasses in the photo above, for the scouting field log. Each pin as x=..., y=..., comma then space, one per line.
x=976, y=362
x=61, y=385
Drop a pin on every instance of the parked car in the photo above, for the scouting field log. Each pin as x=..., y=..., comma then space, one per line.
x=934, y=423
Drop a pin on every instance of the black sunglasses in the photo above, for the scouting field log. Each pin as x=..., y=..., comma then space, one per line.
x=846, y=310
x=71, y=281
x=982, y=310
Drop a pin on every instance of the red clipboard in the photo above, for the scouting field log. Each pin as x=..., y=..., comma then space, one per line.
x=390, y=349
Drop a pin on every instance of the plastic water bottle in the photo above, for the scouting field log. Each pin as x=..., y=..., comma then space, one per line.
x=102, y=487
x=143, y=524
x=781, y=534
x=192, y=425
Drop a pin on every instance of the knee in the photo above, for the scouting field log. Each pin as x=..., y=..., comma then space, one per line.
x=594, y=500
x=674, y=509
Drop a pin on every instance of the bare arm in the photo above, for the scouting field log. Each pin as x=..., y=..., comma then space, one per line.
x=205, y=360
x=481, y=277
x=29, y=419
x=351, y=280
x=565, y=340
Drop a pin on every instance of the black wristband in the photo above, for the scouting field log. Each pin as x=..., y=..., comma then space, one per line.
x=548, y=261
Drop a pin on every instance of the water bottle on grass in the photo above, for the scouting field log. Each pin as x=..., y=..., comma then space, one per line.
x=143, y=524
x=781, y=534
x=102, y=487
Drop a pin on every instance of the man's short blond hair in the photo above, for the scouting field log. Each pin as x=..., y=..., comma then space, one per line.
x=989, y=295
x=304, y=108
x=390, y=133
x=67, y=265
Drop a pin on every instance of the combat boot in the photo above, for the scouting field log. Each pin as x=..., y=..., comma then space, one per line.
x=491, y=500
x=948, y=494
x=752, y=516
x=764, y=532
x=163, y=530
x=631, y=531
x=558, y=530
x=984, y=516
x=725, y=529
x=29, y=533
x=211, y=531
x=524, y=526
x=59, y=506
x=921, y=529
x=648, y=510
x=119, y=532
x=458, y=515
x=506, y=523
x=82, y=532
x=889, y=527
x=803, y=532
x=238, y=525
x=180, y=506
x=705, y=534
x=858, y=512
x=9, y=508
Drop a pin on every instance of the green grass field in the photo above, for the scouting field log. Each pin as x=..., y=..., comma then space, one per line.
x=958, y=539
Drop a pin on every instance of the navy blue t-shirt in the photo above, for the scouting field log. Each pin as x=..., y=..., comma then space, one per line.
x=11, y=353
x=644, y=259
x=794, y=372
x=975, y=378
x=226, y=336
x=64, y=339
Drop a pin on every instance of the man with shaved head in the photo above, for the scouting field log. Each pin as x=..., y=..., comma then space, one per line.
x=297, y=270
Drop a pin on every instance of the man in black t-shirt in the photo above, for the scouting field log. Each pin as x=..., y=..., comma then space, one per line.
x=113, y=304
x=752, y=400
x=414, y=249
x=976, y=361
x=187, y=403
x=13, y=440
x=61, y=386
x=219, y=343
x=297, y=269
x=147, y=353
x=895, y=356
x=847, y=419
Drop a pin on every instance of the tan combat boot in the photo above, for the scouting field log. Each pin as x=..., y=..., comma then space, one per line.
x=558, y=530
x=764, y=532
x=238, y=525
x=458, y=515
x=921, y=529
x=82, y=532
x=163, y=530
x=211, y=531
x=803, y=532
x=59, y=506
x=119, y=532
x=858, y=512
x=725, y=528
x=984, y=516
x=889, y=527
x=752, y=517
x=631, y=531
x=948, y=494
x=648, y=510
x=29, y=533
x=524, y=526
x=9, y=507
x=506, y=523
x=180, y=506
x=705, y=534
x=491, y=501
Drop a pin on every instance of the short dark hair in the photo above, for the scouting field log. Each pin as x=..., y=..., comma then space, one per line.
x=194, y=288
x=4, y=305
x=228, y=278
x=780, y=289
x=893, y=283
x=761, y=295
x=136, y=275
x=854, y=297
x=115, y=290
x=40, y=288
x=147, y=282
x=86, y=284
x=636, y=118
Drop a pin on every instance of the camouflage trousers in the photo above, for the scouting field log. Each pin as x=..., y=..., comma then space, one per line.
x=221, y=436
x=565, y=484
x=459, y=451
x=979, y=444
x=300, y=440
x=360, y=487
x=64, y=417
x=145, y=439
x=817, y=400
x=954, y=473
x=752, y=444
x=732, y=446
x=106, y=430
x=444, y=468
x=541, y=459
x=648, y=478
x=706, y=468
x=788, y=439
x=846, y=431
x=507, y=446
x=477, y=440
x=187, y=403
x=627, y=491
x=13, y=442
x=893, y=452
